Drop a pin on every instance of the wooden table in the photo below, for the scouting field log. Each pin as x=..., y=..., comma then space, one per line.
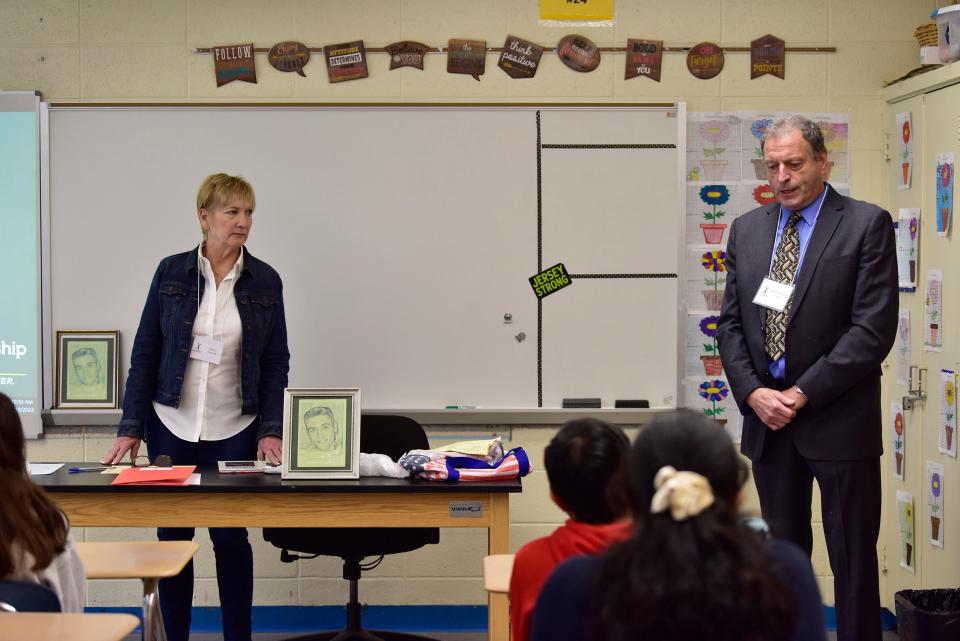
x=57, y=626
x=264, y=500
x=148, y=561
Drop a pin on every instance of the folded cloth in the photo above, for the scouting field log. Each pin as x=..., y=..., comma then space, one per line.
x=381, y=465
x=514, y=464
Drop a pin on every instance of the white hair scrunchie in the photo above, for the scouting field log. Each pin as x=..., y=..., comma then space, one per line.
x=685, y=493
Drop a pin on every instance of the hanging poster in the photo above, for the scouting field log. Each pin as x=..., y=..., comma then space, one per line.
x=945, y=167
x=467, y=57
x=644, y=58
x=706, y=277
x=578, y=10
x=713, y=147
x=347, y=61
x=899, y=429
x=908, y=228
x=947, y=443
x=703, y=357
x=711, y=209
x=234, y=62
x=905, y=519
x=767, y=57
x=932, y=312
x=579, y=53
x=705, y=60
x=712, y=396
x=407, y=53
x=903, y=347
x=520, y=58
x=935, y=502
x=905, y=150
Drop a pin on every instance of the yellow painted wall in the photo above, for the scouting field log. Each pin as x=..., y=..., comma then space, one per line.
x=142, y=50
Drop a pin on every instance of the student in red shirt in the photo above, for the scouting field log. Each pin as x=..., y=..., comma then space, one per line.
x=586, y=466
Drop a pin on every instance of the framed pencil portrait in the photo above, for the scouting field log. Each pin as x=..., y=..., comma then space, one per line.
x=87, y=363
x=321, y=433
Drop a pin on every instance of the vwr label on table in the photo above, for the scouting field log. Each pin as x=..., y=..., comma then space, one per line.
x=466, y=509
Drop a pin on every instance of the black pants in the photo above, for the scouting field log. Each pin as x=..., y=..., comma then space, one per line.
x=850, y=502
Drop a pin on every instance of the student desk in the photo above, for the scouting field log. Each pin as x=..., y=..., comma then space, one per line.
x=57, y=626
x=264, y=500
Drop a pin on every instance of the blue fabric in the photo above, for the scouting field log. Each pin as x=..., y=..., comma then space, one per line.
x=234, y=556
x=162, y=346
x=808, y=218
x=465, y=462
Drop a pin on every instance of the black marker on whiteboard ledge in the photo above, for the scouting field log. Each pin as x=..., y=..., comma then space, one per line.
x=460, y=407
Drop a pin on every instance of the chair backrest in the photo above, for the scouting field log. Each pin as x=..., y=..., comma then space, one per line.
x=391, y=435
x=26, y=596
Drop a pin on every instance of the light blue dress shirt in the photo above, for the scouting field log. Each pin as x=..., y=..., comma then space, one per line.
x=808, y=218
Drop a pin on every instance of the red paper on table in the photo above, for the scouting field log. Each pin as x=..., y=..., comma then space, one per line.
x=176, y=475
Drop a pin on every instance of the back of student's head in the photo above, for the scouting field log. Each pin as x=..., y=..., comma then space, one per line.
x=29, y=520
x=692, y=569
x=586, y=465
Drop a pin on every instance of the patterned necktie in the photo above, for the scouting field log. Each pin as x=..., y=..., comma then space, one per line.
x=784, y=271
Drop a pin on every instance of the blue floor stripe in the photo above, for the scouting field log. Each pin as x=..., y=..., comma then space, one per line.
x=401, y=618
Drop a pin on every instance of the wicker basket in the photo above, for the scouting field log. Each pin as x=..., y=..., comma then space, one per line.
x=926, y=34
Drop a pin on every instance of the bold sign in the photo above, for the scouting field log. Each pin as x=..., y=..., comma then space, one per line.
x=550, y=280
x=467, y=56
x=578, y=53
x=347, y=61
x=520, y=58
x=406, y=54
x=705, y=60
x=767, y=56
x=289, y=56
x=234, y=62
x=644, y=58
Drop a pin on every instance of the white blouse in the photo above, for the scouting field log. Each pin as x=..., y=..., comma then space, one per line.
x=210, y=406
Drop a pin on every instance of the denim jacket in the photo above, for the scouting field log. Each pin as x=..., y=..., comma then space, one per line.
x=162, y=346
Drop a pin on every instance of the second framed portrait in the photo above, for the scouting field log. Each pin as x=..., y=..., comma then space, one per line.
x=87, y=369
x=321, y=433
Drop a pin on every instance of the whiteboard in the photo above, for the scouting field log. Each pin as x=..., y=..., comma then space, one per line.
x=404, y=236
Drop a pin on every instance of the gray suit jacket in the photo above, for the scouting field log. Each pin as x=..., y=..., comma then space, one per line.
x=841, y=326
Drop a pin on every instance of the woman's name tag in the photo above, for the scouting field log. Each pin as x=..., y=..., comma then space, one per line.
x=207, y=348
x=773, y=295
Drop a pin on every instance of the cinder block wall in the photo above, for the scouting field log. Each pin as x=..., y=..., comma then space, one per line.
x=142, y=50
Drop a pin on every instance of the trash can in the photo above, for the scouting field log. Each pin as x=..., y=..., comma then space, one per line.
x=928, y=615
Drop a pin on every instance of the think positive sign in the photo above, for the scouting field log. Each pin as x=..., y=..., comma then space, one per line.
x=550, y=280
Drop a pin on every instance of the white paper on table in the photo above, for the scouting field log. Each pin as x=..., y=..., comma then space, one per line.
x=42, y=469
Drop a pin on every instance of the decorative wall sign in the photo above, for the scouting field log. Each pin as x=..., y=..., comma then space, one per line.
x=520, y=58
x=576, y=10
x=644, y=58
x=578, y=53
x=905, y=150
x=234, y=62
x=347, y=61
x=467, y=57
x=705, y=60
x=550, y=280
x=945, y=167
x=767, y=57
x=935, y=502
x=407, y=54
x=289, y=56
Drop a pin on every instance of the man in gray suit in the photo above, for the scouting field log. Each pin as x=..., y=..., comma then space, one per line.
x=809, y=313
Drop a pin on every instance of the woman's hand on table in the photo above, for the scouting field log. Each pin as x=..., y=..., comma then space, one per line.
x=121, y=446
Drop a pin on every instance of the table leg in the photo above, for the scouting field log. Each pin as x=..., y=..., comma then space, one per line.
x=498, y=542
x=153, y=629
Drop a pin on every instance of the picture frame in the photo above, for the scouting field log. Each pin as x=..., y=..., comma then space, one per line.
x=321, y=433
x=87, y=369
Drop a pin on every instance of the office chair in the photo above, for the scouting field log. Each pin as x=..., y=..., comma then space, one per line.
x=379, y=434
x=26, y=596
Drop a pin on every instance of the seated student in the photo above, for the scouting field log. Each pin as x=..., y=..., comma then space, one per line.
x=35, y=543
x=586, y=466
x=692, y=569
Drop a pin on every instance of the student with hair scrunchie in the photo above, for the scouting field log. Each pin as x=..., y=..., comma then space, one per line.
x=35, y=542
x=692, y=569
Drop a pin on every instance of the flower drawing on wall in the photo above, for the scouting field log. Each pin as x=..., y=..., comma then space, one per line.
x=758, y=129
x=712, y=365
x=715, y=132
x=913, y=229
x=898, y=443
x=935, y=505
x=714, y=391
x=764, y=194
x=714, y=195
x=714, y=261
